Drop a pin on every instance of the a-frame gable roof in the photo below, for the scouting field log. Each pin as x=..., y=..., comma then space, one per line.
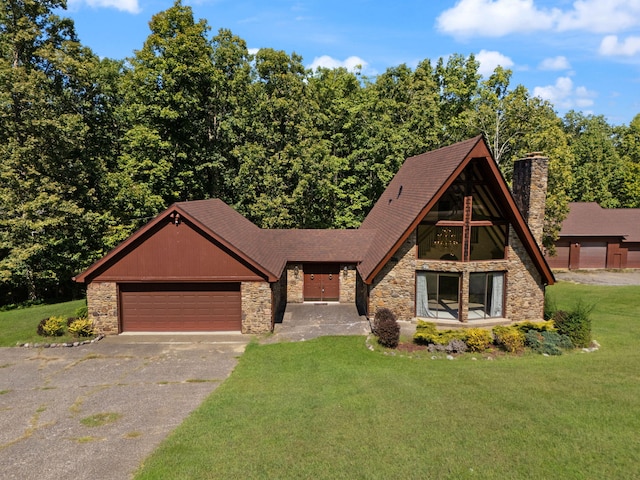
x=414, y=191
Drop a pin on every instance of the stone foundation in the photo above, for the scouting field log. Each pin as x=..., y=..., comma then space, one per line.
x=256, y=307
x=102, y=307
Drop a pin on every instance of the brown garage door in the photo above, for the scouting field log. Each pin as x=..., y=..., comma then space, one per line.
x=180, y=307
x=593, y=255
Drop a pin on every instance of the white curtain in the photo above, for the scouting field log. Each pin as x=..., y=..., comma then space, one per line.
x=497, y=295
x=422, y=300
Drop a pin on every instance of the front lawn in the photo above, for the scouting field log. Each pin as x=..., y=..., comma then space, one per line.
x=330, y=408
x=21, y=324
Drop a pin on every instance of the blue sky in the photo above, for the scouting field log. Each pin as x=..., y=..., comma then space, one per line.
x=579, y=54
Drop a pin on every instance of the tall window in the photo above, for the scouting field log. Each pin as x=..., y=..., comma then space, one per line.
x=466, y=224
x=486, y=295
x=437, y=295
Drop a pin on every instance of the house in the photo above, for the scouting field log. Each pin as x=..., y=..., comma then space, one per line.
x=596, y=237
x=446, y=241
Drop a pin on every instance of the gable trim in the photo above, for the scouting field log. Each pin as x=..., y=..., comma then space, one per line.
x=174, y=210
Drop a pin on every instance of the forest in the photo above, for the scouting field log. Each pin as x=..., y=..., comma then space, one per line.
x=92, y=148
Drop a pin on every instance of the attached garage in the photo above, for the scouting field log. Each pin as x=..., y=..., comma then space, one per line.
x=158, y=307
x=197, y=267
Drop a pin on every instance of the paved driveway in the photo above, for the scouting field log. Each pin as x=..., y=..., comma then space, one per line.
x=145, y=385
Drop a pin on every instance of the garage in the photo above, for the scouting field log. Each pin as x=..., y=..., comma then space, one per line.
x=175, y=307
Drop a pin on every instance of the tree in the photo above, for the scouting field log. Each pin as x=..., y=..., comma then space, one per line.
x=597, y=170
x=168, y=92
x=47, y=173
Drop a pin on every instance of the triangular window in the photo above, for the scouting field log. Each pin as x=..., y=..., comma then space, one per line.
x=467, y=223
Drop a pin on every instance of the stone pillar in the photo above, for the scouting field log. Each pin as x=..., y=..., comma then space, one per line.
x=530, y=191
x=256, y=307
x=102, y=307
x=347, y=283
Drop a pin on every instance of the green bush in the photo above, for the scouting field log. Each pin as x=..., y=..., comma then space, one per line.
x=54, y=326
x=575, y=324
x=548, y=342
x=478, y=339
x=509, y=338
x=81, y=327
x=82, y=312
x=386, y=328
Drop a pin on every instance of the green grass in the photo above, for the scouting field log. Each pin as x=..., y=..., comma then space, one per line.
x=100, y=419
x=20, y=325
x=331, y=409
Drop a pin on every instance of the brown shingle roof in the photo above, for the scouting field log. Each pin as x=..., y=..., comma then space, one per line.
x=415, y=185
x=590, y=219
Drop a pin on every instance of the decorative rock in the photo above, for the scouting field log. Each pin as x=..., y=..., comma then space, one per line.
x=450, y=357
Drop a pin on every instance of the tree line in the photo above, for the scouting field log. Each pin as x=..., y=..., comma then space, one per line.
x=92, y=148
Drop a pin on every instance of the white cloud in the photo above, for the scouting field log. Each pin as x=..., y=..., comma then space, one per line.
x=351, y=64
x=555, y=63
x=564, y=95
x=494, y=18
x=497, y=18
x=610, y=46
x=489, y=60
x=130, y=6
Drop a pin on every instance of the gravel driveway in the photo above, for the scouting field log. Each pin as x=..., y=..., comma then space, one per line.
x=600, y=277
x=136, y=389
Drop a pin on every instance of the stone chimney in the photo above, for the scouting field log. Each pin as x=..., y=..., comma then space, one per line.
x=530, y=190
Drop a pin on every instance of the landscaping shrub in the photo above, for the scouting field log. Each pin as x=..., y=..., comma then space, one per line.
x=41, y=325
x=547, y=342
x=54, y=326
x=82, y=312
x=428, y=334
x=524, y=327
x=386, y=328
x=575, y=324
x=509, y=338
x=81, y=327
x=478, y=339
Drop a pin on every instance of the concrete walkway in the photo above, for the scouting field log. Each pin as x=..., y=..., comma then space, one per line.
x=303, y=321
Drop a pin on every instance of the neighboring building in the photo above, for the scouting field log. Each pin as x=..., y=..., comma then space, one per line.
x=445, y=242
x=596, y=237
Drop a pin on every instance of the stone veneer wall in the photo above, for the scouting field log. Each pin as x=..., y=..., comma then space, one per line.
x=295, y=283
x=256, y=307
x=525, y=290
x=348, y=284
x=394, y=286
x=279, y=290
x=102, y=307
x=530, y=191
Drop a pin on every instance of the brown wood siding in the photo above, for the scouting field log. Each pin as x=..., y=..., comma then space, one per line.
x=161, y=307
x=633, y=256
x=561, y=258
x=177, y=253
x=321, y=282
x=593, y=255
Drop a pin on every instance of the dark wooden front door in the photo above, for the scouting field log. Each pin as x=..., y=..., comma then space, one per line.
x=180, y=307
x=322, y=282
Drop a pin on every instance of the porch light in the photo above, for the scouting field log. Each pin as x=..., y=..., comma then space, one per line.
x=345, y=272
x=296, y=271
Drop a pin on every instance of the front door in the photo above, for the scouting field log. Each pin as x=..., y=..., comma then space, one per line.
x=321, y=282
